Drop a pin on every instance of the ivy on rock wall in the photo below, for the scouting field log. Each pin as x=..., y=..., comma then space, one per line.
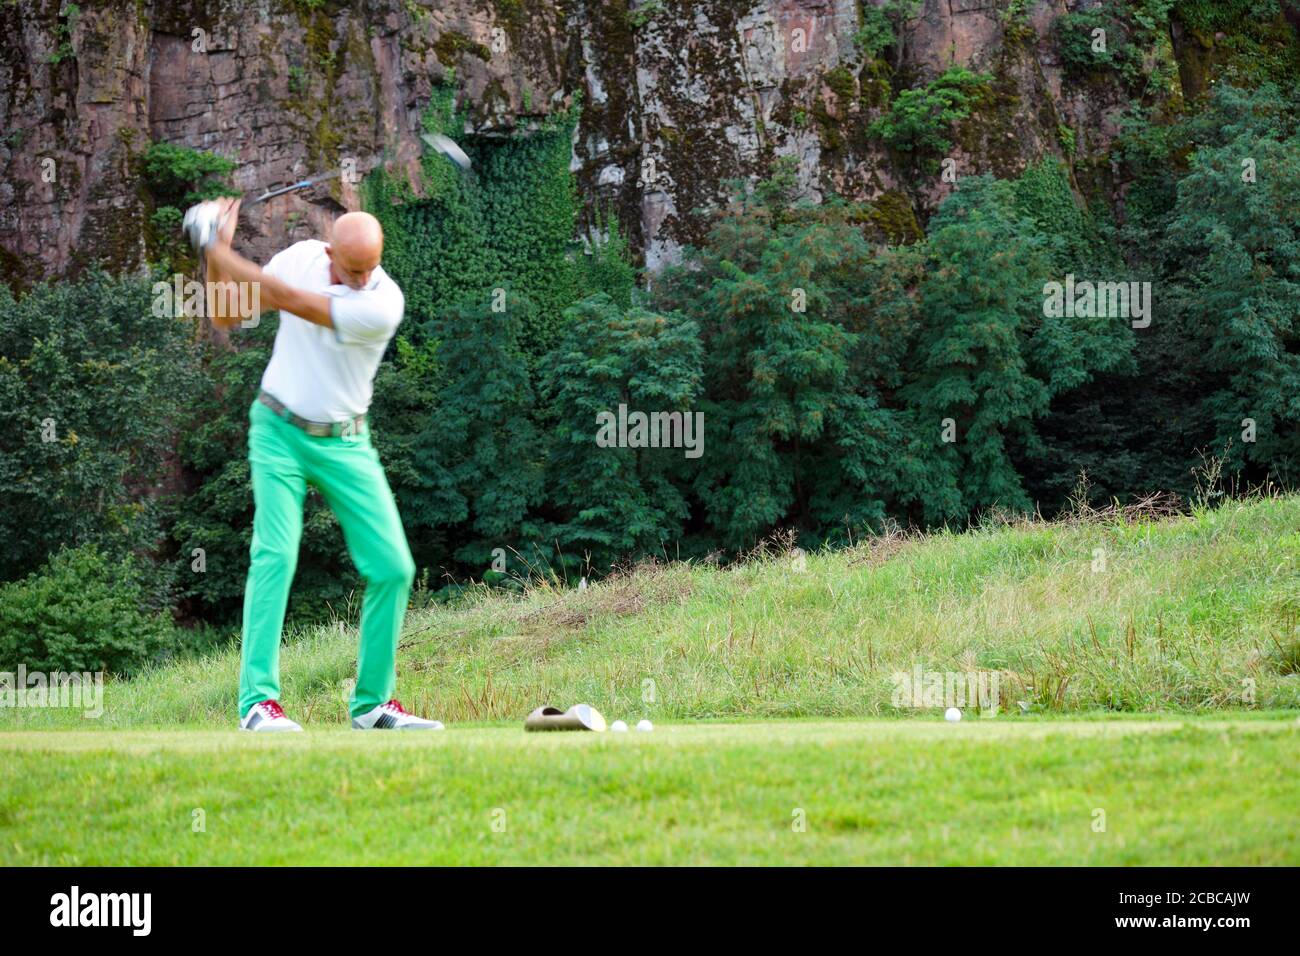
x=507, y=224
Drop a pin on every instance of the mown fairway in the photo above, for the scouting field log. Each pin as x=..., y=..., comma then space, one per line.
x=1199, y=791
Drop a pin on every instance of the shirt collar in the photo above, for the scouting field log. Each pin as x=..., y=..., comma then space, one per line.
x=339, y=288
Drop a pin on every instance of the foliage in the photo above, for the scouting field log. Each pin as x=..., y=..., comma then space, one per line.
x=645, y=11
x=1078, y=241
x=987, y=357
x=508, y=224
x=918, y=121
x=1219, y=349
x=1211, y=15
x=95, y=384
x=1133, y=42
x=64, y=50
x=796, y=428
x=616, y=502
x=608, y=266
x=879, y=25
x=478, y=460
x=1234, y=241
x=179, y=176
x=81, y=612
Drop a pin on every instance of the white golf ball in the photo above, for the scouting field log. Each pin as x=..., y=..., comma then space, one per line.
x=618, y=727
x=644, y=725
x=952, y=715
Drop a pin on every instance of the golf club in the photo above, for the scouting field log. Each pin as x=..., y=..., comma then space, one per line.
x=200, y=223
x=447, y=147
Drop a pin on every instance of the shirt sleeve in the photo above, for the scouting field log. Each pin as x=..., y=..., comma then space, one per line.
x=366, y=316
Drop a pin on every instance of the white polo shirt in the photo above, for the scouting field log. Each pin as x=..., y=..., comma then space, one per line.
x=321, y=374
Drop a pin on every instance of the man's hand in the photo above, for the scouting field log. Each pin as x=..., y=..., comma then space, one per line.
x=228, y=219
x=225, y=299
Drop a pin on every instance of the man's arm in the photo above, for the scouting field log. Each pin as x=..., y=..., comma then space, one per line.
x=225, y=265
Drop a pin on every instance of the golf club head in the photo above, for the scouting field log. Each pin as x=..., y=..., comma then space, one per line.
x=447, y=147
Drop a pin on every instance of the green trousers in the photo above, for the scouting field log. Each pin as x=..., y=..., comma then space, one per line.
x=284, y=460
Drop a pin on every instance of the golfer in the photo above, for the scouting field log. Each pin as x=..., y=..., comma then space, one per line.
x=338, y=310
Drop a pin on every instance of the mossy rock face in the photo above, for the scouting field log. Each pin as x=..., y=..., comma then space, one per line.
x=529, y=26
x=829, y=127
x=495, y=98
x=894, y=218
x=875, y=84
x=1195, y=55
x=178, y=18
x=115, y=230
x=449, y=47
x=842, y=83
x=720, y=138
x=18, y=272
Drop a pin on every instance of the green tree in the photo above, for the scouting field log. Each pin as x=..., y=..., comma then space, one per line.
x=1232, y=254
x=798, y=353
x=480, y=456
x=96, y=386
x=608, y=265
x=612, y=502
x=986, y=357
x=919, y=121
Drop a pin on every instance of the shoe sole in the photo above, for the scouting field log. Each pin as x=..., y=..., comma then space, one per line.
x=273, y=730
x=355, y=727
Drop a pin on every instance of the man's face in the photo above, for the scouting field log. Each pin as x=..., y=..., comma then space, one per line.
x=351, y=267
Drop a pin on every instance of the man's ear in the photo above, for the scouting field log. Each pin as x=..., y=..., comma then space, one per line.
x=329, y=251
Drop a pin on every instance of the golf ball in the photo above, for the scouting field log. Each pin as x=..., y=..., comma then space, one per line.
x=618, y=727
x=644, y=725
x=952, y=715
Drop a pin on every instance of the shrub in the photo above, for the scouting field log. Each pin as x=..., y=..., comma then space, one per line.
x=97, y=388
x=180, y=176
x=919, y=120
x=82, y=611
x=880, y=26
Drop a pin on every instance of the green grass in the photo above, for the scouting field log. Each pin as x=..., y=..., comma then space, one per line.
x=1191, y=614
x=1198, y=791
x=1162, y=690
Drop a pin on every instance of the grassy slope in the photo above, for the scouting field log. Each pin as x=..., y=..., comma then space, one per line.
x=1200, y=791
x=1189, y=614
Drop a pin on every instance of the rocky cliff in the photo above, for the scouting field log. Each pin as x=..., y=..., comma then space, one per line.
x=677, y=98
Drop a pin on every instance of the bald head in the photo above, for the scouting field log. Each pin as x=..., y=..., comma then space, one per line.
x=356, y=244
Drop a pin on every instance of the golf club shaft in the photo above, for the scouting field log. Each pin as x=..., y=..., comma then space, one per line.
x=303, y=184
x=293, y=187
